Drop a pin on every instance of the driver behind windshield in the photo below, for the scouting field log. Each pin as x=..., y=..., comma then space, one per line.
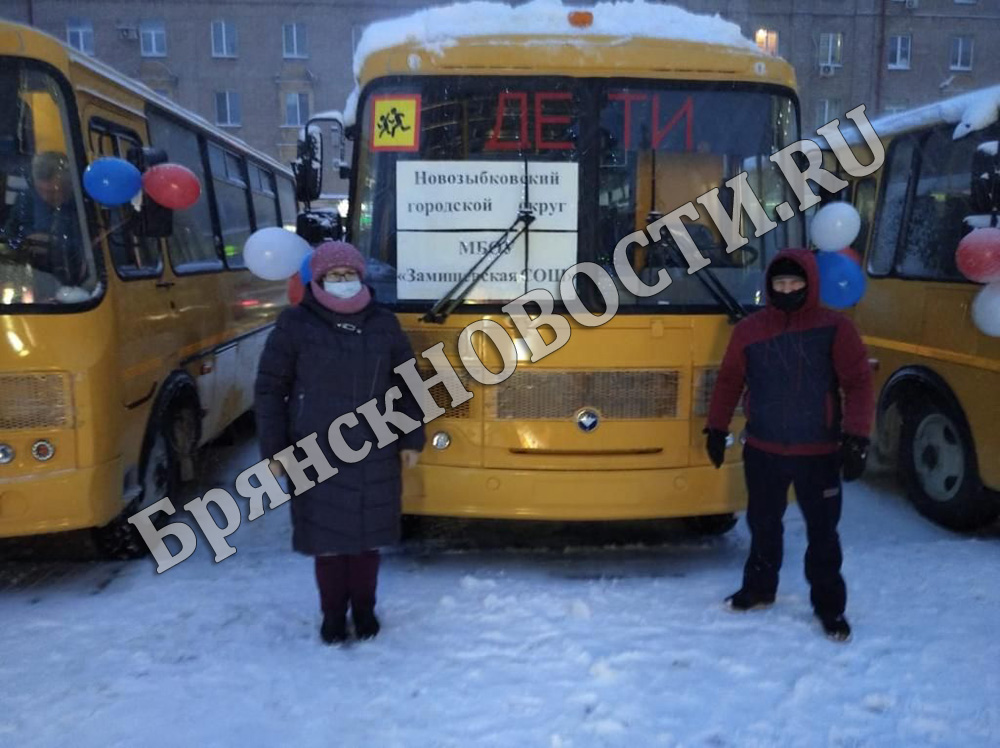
x=43, y=227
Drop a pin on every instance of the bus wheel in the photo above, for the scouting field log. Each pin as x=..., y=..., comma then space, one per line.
x=711, y=524
x=160, y=477
x=938, y=467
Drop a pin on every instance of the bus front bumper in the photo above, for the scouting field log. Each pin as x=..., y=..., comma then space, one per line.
x=62, y=500
x=578, y=495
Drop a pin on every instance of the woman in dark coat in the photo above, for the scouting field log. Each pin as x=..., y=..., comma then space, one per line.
x=326, y=356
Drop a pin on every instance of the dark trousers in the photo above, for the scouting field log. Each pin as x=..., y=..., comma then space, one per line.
x=347, y=579
x=818, y=493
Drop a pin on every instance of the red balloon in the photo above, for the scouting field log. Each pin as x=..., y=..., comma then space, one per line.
x=978, y=255
x=852, y=253
x=172, y=186
x=296, y=291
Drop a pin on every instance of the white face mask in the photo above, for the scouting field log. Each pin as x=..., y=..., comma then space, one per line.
x=342, y=289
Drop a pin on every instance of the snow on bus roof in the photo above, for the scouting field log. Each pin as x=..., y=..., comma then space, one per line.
x=438, y=28
x=969, y=112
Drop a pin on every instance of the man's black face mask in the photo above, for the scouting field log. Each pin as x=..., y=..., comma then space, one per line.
x=789, y=302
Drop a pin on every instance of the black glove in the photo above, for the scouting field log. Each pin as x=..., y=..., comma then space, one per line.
x=853, y=453
x=715, y=445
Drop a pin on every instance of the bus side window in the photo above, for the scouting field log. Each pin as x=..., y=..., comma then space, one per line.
x=864, y=201
x=231, y=201
x=936, y=220
x=889, y=219
x=286, y=202
x=132, y=256
x=192, y=244
x=265, y=205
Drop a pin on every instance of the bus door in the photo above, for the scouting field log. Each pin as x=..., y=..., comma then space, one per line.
x=144, y=308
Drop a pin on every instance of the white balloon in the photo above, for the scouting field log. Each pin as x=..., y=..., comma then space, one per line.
x=986, y=310
x=835, y=226
x=274, y=253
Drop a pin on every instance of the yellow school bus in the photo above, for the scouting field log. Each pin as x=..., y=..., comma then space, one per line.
x=597, y=134
x=938, y=376
x=122, y=349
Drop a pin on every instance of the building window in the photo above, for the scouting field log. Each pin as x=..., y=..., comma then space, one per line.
x=831, y=47
x=827, y=110
x=961, y=53
x=227, y=108
x=295, y=40
x=899, y=52
x=223, y=39
x=153, y=39
x=767, y=40
x=296, y=108
x=80, y=35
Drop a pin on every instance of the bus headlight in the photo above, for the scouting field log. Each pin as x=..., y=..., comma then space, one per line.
x=6, y=454
x=441, y=440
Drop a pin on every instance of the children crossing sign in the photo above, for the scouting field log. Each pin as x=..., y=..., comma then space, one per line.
x=396, y=123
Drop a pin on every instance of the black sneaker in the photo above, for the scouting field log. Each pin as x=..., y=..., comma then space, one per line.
x=836, y=627
x=745, y=599
x=366, y=625
x=334, y=629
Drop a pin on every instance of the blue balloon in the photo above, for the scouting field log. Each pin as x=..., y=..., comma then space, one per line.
x=841, y=280
x=112, y=181
x=304, y=271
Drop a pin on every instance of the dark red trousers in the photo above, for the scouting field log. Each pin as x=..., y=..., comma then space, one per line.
x=347, y=579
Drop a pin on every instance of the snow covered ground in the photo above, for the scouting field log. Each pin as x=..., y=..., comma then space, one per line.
x=537, y=645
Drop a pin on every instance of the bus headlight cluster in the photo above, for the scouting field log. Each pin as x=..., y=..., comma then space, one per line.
x=6, y=454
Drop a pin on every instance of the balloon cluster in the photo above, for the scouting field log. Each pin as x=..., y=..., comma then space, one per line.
x=841, y=278
x=278, y=254
x=115, y=181
x=978, y=259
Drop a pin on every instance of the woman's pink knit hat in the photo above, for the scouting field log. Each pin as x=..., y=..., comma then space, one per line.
x=335, y=254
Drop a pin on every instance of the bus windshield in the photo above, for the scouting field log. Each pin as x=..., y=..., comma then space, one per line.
x=445, y=163
x=45, y=256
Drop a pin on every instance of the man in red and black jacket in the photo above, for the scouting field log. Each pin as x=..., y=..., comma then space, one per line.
x=809, y=405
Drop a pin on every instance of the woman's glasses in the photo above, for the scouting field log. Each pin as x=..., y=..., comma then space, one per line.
x=336, y=277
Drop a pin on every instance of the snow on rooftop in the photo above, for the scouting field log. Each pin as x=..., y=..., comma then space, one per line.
x=969, y=112
x=438, y=28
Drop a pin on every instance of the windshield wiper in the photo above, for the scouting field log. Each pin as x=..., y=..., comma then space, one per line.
x=706, y=276
x=497, y=249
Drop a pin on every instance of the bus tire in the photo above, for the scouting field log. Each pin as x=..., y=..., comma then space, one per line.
x=937, y=465
x=159, y=477
x=711, y=524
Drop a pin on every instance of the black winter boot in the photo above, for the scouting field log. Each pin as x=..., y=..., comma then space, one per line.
x=366, y=625
x=836, y=627
x=334, y=628
x=746, y=599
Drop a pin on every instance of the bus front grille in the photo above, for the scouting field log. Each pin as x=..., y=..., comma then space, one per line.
x=34, y=401
x=441, y=395
x=558, y=394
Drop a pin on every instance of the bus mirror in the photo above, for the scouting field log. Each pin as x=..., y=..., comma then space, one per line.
x=308, y=165
x=339, y=132
x=145, y=157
